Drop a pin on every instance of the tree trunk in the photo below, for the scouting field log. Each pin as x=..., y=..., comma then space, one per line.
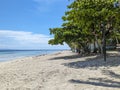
x=99, y=45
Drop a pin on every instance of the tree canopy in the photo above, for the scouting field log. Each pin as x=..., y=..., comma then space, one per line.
x=83, y=23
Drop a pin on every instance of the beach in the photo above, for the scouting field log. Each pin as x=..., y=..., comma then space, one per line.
x=63, y=70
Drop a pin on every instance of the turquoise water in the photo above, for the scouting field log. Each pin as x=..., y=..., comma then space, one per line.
x=6, y=55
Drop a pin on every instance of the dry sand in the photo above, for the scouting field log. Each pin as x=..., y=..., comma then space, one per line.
x=61, y=71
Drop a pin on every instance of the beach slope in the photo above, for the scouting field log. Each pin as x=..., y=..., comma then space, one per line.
x=64, y=70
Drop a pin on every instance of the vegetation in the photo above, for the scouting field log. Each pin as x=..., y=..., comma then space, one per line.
x=83, y=25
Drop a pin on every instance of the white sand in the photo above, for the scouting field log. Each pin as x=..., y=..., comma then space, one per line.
x=61, y=71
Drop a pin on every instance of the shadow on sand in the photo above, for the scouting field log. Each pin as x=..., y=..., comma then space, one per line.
x=95, y=62
x=74, y=56
x=101, y=81
x=111, y=74
x=98, y=82
x=66, y=57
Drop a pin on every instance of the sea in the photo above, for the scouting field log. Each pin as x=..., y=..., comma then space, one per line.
x=7, y=55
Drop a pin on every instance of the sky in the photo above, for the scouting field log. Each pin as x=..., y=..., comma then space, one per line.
x=24, y=24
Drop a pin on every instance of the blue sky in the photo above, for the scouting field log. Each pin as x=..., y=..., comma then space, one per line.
x=24, y=24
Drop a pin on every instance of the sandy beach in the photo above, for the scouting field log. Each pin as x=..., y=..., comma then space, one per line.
x=63, y=70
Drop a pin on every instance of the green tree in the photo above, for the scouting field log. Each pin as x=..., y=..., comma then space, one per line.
x=83, y=21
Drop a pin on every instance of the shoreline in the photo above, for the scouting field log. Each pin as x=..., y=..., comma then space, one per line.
x=63, y=70
x=10, y=55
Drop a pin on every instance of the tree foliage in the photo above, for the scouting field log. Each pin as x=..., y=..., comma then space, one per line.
x=83, y=24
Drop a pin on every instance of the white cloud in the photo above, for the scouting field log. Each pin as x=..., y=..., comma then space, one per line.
x=24, y=36
x=10, y=39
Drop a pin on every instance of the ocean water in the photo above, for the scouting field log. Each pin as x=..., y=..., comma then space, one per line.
x=6, y=55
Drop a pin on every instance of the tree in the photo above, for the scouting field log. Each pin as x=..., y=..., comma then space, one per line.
x=83, y=24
